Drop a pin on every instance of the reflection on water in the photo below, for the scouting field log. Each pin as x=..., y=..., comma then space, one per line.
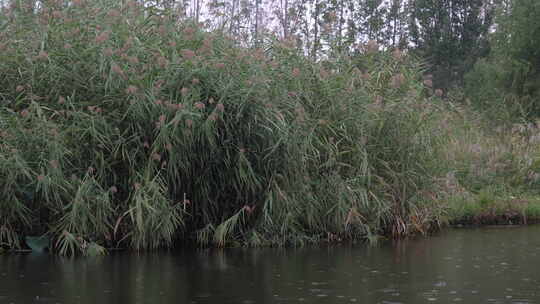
x=499, y=265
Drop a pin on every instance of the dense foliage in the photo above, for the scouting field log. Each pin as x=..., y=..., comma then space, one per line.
x=508, y=81
x=121, y=127
x=131, y=124
x=451, y=35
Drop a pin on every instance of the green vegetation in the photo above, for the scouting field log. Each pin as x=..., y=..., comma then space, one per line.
x=121, y=130
x=494, y=174
x=489, y=209
x=122, y=127
x=506, y=84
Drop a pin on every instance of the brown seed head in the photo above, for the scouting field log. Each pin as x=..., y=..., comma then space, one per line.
x=133, y=59
x=162, y=62
x=249, y=209
x=102, y=37
x=397, y=54
x=188, y=31
x=324, y=73
x=57, y=14
x=108, y=52
x=184, y=91
x=75, y=31
x=372, y=46
x=220, y=107
x=131, y=89
x=398, y=80
x=54, y=163
x=188, y=54
x=116, y=69
x=42, y=55
x=113, y=13
x=428, y=83
x=162, y=119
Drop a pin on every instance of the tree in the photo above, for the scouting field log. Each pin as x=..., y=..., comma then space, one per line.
x=518, y=40
x=510, y=76
x=451, y=34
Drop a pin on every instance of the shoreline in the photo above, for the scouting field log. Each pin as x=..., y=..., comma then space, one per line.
x=475, y=222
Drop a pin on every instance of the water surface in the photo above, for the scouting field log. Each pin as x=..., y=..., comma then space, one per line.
x=500, y=265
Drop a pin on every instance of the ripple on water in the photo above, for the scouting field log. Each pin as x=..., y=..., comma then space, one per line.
x=431, y=295
x=440, y=284
x=389, y=290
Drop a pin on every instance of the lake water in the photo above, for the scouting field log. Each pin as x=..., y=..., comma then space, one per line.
x=498, y=265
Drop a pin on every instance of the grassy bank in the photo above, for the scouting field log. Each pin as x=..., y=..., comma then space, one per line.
x=121, y=127
x=494, y=171
x=489, y=210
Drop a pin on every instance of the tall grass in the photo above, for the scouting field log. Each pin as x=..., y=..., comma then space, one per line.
x=122, y=127
x=493, y=170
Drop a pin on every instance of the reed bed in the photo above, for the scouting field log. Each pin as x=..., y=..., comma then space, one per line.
x=122, y=127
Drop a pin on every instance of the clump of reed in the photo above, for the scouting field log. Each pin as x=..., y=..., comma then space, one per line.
x=121, y=127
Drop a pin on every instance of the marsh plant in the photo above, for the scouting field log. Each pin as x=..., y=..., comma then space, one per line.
x=122, y=127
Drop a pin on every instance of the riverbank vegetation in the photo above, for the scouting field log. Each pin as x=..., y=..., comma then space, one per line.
x=125, y=125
